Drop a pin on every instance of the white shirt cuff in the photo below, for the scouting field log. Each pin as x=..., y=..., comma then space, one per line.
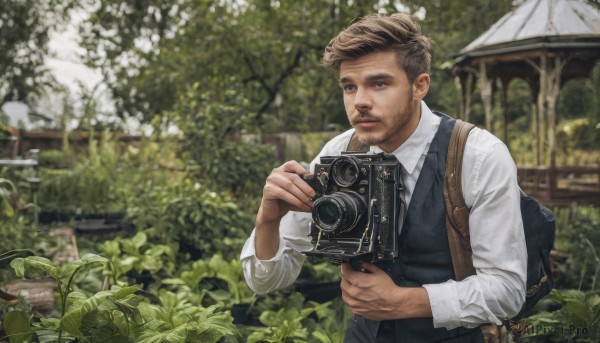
x=445, y=305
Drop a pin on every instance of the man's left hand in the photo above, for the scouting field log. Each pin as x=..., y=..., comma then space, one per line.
x=372, y=294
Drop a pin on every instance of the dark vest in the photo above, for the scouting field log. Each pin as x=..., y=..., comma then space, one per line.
x=424, y=256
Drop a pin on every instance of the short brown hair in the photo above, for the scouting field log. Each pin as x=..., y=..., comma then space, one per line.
x=398, y=32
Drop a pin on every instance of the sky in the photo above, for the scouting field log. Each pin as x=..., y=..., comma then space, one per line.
x=64, y=60
x=64, y=63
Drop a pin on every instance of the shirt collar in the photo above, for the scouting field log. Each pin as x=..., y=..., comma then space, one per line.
x=415, y=146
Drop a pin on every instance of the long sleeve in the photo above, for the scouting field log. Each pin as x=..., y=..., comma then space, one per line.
x=264, y=276
x=497, y=292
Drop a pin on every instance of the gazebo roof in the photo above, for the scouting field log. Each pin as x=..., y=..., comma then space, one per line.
x=539, y=24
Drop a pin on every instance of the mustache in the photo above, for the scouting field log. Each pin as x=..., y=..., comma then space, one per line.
x=359, y=116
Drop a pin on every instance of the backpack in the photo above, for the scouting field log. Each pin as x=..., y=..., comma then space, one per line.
x=538, y=224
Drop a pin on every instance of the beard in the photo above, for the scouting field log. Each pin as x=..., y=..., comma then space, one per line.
x=399, y=121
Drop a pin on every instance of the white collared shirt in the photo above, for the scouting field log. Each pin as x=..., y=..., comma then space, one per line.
x=490, y=189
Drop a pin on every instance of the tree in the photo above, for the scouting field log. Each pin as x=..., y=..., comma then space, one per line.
x=272, y=47
x=24, y=32
x=452, y=25
x=151, y=52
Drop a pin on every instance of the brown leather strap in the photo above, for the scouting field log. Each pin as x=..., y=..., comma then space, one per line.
x=356, y=145
x=457, y=212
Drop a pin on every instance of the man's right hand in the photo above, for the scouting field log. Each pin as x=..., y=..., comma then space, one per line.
x=284, y=191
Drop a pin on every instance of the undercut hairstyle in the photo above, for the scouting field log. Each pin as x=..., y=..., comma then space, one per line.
x=398, y=32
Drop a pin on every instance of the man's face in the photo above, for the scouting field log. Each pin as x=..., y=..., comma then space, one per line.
x=379, y=99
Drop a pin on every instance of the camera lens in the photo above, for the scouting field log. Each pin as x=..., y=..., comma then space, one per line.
x=328, y=213
x=338, y=212
x=345, y=171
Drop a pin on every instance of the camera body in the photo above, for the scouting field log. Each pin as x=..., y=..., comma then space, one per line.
x=355, y=214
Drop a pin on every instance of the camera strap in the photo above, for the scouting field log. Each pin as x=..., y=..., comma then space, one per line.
x=356, y=145
x=457, y=212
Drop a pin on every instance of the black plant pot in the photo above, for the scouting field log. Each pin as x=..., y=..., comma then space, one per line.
x=144, y=278
x=240, y=313
x=320, y=292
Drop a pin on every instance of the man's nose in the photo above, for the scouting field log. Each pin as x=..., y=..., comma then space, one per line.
x=362, y=100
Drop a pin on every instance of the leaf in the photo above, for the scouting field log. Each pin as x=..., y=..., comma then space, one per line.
x=48, y=336
x=50, y=323
x=16, y=326
x=173, y=281
x=18, y=265
x=126, y=291
x=139, y=240
x=71, y=321
x=577, y=309
x=176, y=335
x=24, y=266
x=87, y=261
x=101, y=327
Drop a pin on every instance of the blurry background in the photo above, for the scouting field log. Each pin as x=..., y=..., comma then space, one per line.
x=142, y=131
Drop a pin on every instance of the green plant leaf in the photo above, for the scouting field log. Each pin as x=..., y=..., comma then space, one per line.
x=25, y=266
x=16, y=326
x=101, y=327
x=126, y=291
x=52, y=324
x=176, y=335
x=71, y=321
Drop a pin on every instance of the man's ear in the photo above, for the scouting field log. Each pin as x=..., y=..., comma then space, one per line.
x=421, y=86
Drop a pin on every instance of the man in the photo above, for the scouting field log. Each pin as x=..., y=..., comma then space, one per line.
x=382, y=64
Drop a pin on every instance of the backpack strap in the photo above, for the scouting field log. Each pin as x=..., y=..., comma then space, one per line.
x=457, y=212
x=356, y=145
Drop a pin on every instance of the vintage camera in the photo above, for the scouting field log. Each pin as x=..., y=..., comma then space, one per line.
x=355, y=214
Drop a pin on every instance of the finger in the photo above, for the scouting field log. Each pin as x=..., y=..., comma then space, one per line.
x=294, y=167
x=289, y=177
x=368, y=267
x=292, y=201
x=295, y=186
x=347, y=270
x=350, y=275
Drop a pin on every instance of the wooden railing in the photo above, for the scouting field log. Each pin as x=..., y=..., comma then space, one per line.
x=561, y=186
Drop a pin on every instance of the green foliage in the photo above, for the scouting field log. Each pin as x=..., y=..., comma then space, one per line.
x=16, y=230
x=272, y=49
x=16, y=324
x=55, y=159
x=121, y=314
x=134, y=256
x=299, y=321
x=577, y=319
x=578, y=235
x=212, y=124
x=110, y=174
x=92, y=186
x=63, y=275
x=237, y=290
x=202, y=221
x=222, y=281
x=6, y=207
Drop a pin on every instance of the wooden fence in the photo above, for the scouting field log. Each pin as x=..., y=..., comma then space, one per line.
x=562, y=186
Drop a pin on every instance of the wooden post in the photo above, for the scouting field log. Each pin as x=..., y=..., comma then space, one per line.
x=552, y=92
x=486, y=96
x=504, y=105
x=541, y=106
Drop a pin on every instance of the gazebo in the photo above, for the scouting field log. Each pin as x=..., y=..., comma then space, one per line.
x=544, y=42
